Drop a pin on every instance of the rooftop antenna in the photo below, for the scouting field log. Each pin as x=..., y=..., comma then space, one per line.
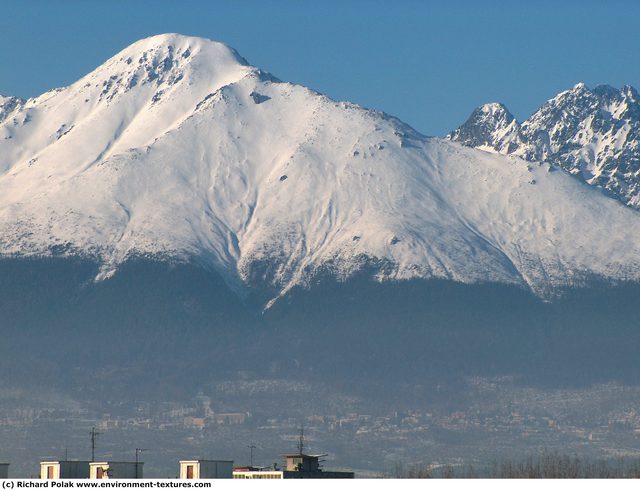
x=94, y=434
x=301, y=441
x=138, y=452
x=251, y=447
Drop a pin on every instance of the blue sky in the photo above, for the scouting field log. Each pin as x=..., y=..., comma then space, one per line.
x=429, y=63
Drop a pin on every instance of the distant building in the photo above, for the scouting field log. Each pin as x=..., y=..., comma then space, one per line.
x=206, y=469
x=249, y=472
x=115, y=470
x=230, y=418
x=301, y=462
x=4, y=470
x=195, y=422
x=64, y=469
x=304, y=466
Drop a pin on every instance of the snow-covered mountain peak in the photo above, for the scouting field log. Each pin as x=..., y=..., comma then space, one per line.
x=592, y=134
x=576, y=100
x=176, y=148
x=164, y=51
x=494, y=108
x=167, y=59
x=494, y=111
x=490, y=127
x=579, y=87
x=128, y=102
x=162, y=65
x=185, y=45
x=578, y=90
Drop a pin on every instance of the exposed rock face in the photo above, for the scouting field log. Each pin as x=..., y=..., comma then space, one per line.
x=8, y=105
x=592, y=134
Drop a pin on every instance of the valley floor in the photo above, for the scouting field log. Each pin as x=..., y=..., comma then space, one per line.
x=494, y=421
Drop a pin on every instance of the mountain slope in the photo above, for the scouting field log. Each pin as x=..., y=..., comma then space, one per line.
x=592, y=134
x=177, y=149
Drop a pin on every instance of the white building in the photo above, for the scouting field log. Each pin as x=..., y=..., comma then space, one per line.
x=206, y=469
x=64, y=469
x=115, y=470
x=4, y=470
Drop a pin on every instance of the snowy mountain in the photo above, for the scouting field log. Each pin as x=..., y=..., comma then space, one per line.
x=592, y=134
x=177, y=149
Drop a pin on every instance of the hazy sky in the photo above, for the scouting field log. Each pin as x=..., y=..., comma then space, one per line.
x=429, y=63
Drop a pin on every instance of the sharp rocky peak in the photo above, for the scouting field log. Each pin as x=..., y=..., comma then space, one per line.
x=594, y=134
x=490, y=127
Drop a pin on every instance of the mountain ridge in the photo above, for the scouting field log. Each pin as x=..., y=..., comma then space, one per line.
x=593, y=134
x=176, y=148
